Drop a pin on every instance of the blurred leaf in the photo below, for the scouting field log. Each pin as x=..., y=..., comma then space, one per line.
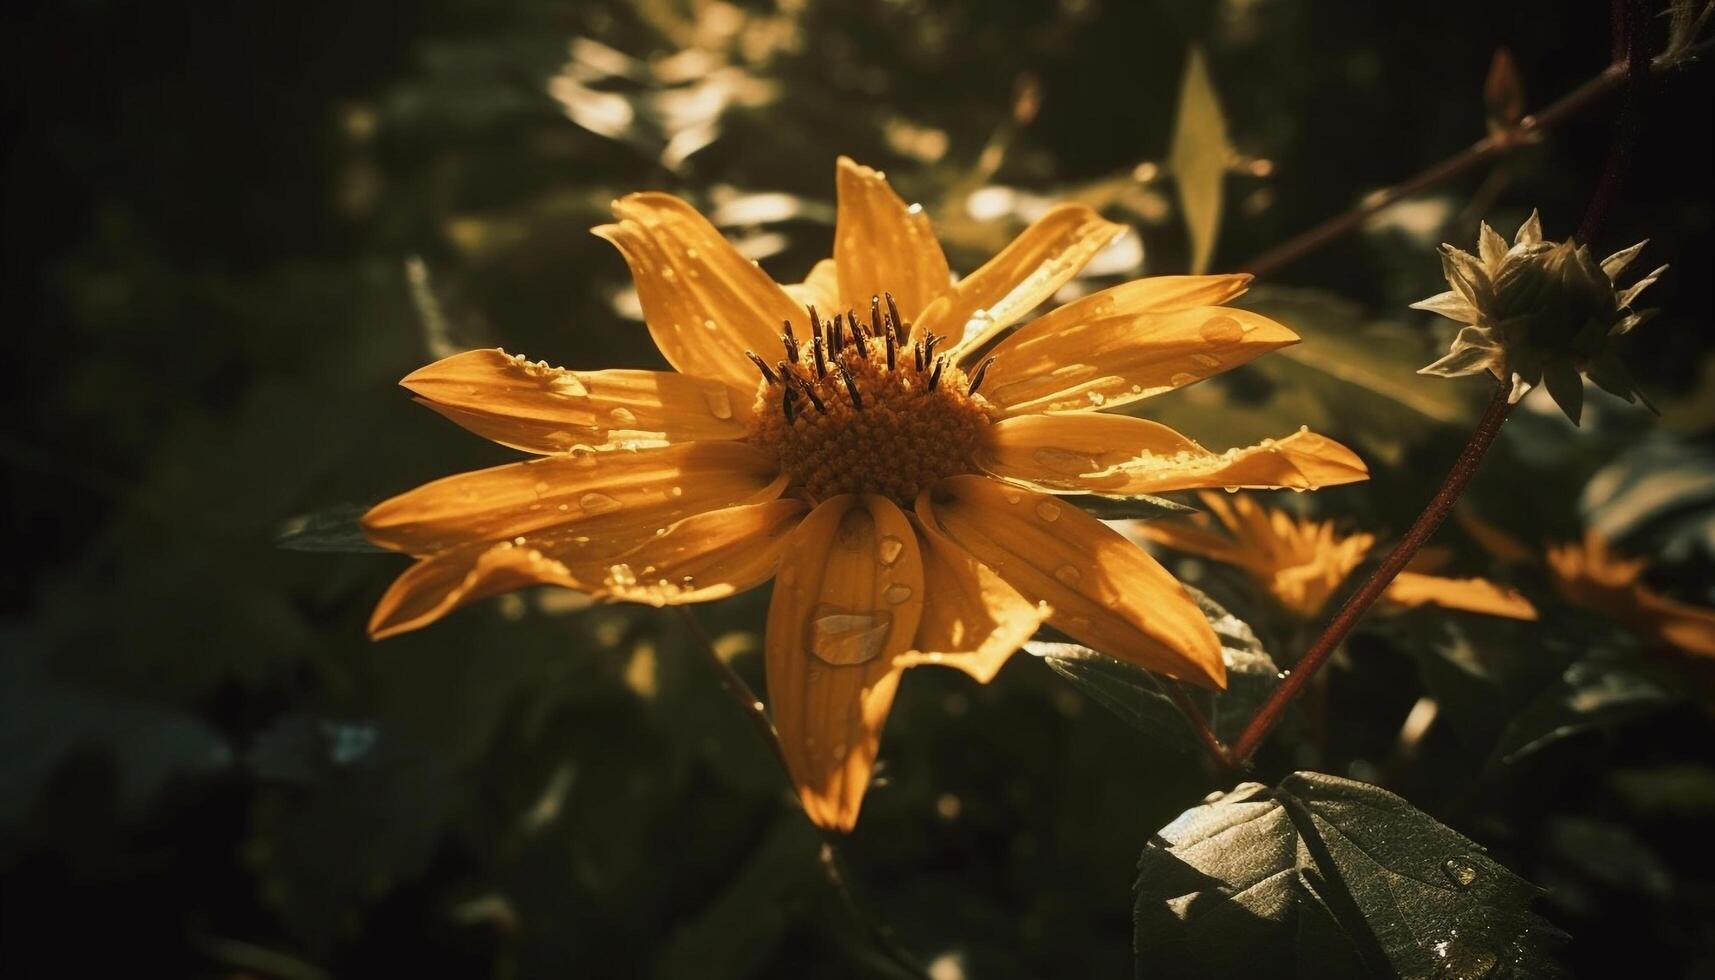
x=1593, y=693
x=44, y=718
x=733, y=937
x=1503, y=93
x=1199, y=155
x=1143, y=507
x=338, y=528
x=1661, y=487
x=1325, y=877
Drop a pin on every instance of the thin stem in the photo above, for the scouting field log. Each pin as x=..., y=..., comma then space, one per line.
x=828, y=858
x=1488, y=148
x=737, y=689
x=1629, y=50
x=1212, y=745
x=1488, y=427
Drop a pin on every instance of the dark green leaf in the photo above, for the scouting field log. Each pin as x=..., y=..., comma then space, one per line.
x=1592, y=693
x=1130, y=692
x=1329, y=878
x=1137, y=696
x=337, y=528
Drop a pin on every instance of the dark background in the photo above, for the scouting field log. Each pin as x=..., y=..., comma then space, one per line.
x=230, y=228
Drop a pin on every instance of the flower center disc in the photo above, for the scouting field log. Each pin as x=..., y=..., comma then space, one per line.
x=865, y=411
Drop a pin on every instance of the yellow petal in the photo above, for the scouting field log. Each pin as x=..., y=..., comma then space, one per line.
x=1677, y=624
x=1413, y=589
x=705, y=304
x=601, y=497
x=821, y=288
x=703, y=557
x=1114, y=454
x=436, y=586
x=1097, y=353
x=1191, y=539
x=846, y=604
x=972, y=620
x=1029, y=270
x=882, y=246
x=540, y=409
x=1104, y=591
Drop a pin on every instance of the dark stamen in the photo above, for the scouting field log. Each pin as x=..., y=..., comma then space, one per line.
x=929, y=343
x=935, y=375
x=810, y=393
x=977, y=378
x=837, y=334
x=892, y=342
x=851, y=386
x=917, y=355
x=821, y=359
x=875, y=325
x=762, y=365
x=815, y=323
x=791, y=343
x=788, y=396
x=859, y=338
x=899, y=325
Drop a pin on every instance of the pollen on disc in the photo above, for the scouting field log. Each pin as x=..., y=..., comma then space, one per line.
x=849, y=416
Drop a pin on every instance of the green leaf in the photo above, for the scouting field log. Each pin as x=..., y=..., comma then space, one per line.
x=1137, y=695
x=1592, y=694
x=1128, y=691
x=338, y=528
x=1199, y=155
x=1144, y=507
x=1330, y=878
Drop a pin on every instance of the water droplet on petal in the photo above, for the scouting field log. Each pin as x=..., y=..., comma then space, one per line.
x=1207, y=360
x=541, y=487
x=623, y=416
x=720, y=403
x=1068, y=575
x=1013, y=496
x=567, y=385
x=843, y=638
x=897, y=594
x=1048, y=510
x=1221, y=330
x=1181, y=379
x=1064, y=461
x=889, y=550
x=1460, y=872
x=598, y=503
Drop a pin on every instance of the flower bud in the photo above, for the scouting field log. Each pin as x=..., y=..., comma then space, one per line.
x=1539, y=312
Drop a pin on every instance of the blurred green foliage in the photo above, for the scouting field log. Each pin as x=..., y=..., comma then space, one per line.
x=230, y=230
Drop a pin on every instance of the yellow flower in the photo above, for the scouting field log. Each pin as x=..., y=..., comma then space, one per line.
x=1592, y=577
x=1302, y=563
x=896, y=484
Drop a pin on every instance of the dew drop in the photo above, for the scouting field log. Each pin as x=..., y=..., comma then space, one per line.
x=1013, y=496
x=1064, y=461
x=567, y=385
x=1068, y=575
x=889, y=550
x=541, y=487
x=1181, y=379
x=1096, y=398
x=896, y=594
x=842, y=638
x=1207, y=360
x=623, y=416
x=598, y=503
x=1460, y=872
x=1221, y=330
x=1048, y=510
x=720, y=403
x=675, y=492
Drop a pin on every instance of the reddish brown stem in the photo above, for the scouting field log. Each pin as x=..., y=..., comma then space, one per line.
x=1422, y=529
x=1212, y=745
x=735, y=687
x=1488, y=148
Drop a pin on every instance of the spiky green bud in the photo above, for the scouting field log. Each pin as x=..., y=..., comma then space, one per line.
x=1539, y=312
